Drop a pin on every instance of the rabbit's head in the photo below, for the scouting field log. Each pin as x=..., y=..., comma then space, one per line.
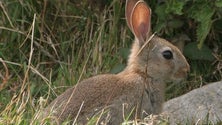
x=154, y=56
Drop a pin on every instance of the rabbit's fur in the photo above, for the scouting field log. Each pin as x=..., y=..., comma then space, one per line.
x=135, y=92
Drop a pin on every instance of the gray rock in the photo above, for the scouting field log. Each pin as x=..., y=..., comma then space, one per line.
x=202, y=105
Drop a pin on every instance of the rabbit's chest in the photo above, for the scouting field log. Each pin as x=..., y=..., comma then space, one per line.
x=151, y=102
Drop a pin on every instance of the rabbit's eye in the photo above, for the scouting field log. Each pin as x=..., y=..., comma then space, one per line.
x=167, y=54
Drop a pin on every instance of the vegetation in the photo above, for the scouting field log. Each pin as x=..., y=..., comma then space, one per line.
x=47, y=46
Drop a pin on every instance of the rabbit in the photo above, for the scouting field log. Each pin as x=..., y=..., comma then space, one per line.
x=135, y=92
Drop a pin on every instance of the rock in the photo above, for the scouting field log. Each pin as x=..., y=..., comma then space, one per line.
x=202, y=106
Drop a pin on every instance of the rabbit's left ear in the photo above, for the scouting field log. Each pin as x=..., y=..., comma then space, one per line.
x=138, y=16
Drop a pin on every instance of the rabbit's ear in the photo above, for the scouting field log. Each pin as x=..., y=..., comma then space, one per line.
x=140, y=19
x=130, y=4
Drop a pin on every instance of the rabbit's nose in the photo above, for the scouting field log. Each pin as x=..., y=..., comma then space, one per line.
x=185, y=70
x=182, y=72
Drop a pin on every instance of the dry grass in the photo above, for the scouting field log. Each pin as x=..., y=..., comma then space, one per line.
x=50, y=48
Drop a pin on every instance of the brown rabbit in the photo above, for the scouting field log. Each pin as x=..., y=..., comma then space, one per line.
x=135, y=92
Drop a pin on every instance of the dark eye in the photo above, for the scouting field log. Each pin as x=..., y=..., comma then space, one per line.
x=167, y=54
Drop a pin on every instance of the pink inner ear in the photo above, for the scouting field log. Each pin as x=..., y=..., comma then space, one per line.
x=143, y=30
x=141, y=21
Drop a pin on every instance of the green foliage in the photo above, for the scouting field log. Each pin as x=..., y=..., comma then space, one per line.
x=165, y=11
x=218, y=3
x=175, y=6
x=202, y=12
x=194, y=53
x=124, y=53
x=199, y=15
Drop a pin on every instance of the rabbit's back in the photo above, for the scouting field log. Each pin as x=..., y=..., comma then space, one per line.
x=114, y=95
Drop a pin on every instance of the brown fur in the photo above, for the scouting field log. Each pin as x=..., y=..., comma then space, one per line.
x=138, y=89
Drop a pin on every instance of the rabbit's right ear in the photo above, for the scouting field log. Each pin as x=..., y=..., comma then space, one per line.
x=138, y=16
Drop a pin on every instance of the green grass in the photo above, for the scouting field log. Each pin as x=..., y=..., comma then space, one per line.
x=48, y=46
x=48, y=50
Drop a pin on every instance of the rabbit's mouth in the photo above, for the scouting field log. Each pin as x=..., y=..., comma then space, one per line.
x=179, y=76
x=182, y=73
x=178, y=80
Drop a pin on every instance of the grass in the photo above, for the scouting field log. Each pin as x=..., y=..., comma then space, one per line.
x=48, y=46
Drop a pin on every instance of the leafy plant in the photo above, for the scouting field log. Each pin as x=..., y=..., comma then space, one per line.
x=193, y=52
x=198, y=15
